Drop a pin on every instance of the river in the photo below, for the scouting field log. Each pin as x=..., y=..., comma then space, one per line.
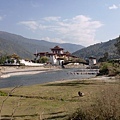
x=44, y=77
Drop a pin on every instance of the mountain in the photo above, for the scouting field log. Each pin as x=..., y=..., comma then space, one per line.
x=25, y=47
x=6, y=47
x=98, y=50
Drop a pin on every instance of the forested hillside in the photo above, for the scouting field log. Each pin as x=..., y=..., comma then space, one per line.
x=98, y=50
x=8, y=48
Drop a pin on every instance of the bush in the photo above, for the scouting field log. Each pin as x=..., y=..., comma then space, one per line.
x=43, y=59
x=104, y=69
x=109, y=68
x=3, y=93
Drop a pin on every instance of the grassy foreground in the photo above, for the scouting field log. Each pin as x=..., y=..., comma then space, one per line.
x=54, y=101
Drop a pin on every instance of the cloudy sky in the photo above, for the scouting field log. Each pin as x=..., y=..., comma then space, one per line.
x=83, y=22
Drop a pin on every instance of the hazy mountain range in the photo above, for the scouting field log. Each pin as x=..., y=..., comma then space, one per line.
x=25, y=47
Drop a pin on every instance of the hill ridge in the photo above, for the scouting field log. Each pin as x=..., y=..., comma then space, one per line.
x=98, y=50
x=26, y=47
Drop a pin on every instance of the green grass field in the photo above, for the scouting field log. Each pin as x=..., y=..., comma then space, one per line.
x=52, y=101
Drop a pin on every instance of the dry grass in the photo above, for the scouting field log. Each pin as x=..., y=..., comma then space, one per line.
x=105, y=107
x=53, y=100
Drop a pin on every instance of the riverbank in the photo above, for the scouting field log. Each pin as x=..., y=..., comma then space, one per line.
x=56, y=100
x=7, y=71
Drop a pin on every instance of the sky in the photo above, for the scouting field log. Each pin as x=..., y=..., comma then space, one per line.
x=83, y=22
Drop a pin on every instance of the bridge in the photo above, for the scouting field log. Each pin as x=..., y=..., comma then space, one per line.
x=68, y=62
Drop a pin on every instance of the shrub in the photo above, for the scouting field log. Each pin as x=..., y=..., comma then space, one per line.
x=109, y=68
x=43, y=59
x=104, y=69
x=3, y=93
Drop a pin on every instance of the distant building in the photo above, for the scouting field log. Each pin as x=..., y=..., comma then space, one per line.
x=16, y=62
x=92, y=61
x=56, y=56
x=29, y=63
x=12, y=61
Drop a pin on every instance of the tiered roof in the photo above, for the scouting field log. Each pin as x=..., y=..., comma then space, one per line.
x=57, y=48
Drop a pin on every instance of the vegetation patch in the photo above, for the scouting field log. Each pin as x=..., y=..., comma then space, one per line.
x=3, y=93
x=110, y=68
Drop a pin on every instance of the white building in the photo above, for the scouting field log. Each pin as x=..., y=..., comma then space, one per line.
x=56, y=57
x=92, y=61
x=29, y=63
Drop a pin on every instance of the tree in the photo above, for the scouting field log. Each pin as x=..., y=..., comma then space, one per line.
x=117, y=45
x=43, y=59
x=2, y=59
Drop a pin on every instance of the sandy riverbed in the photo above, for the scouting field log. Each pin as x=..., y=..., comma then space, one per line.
x=7, y=71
